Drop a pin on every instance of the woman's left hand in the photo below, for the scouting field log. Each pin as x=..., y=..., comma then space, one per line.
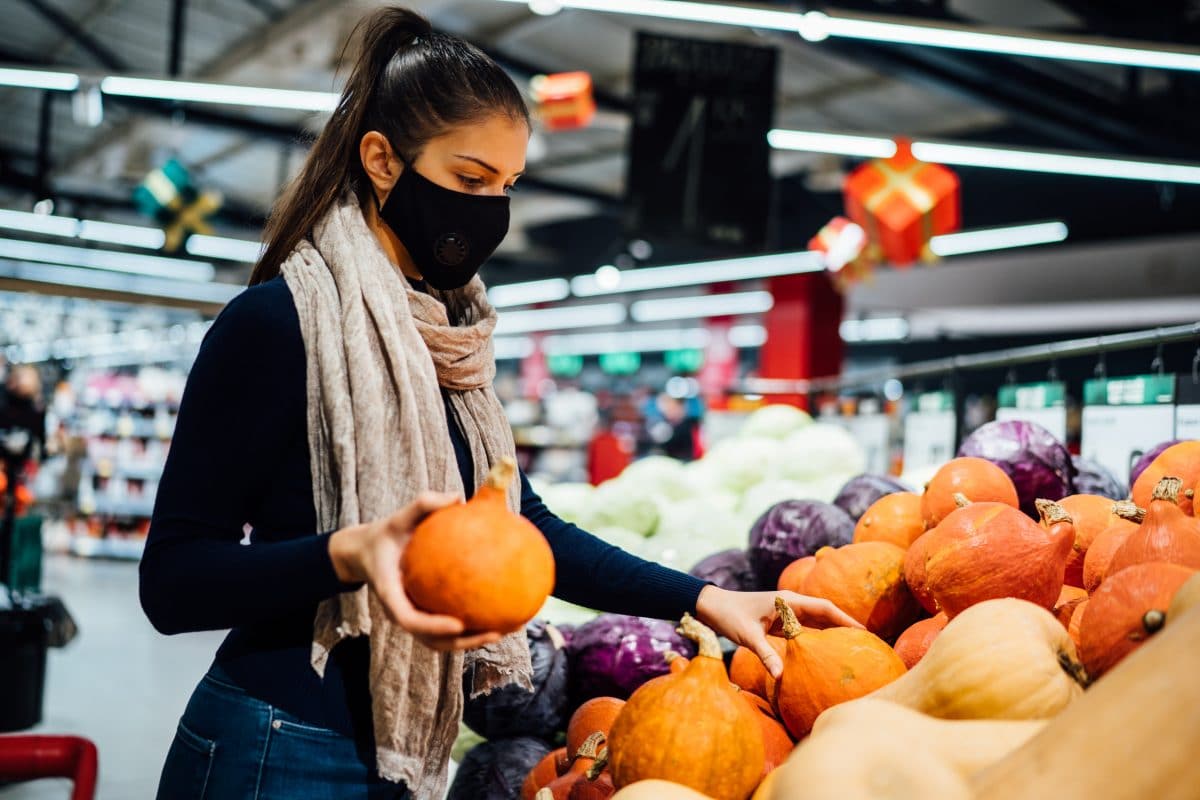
x=745, y=617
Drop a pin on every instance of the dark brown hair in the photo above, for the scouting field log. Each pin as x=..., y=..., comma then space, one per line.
x=410, y=83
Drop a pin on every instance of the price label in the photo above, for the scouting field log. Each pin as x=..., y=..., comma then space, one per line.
x=1042, y=403
x=1125, y=417
x=929, y=431
x=873, y=433
x=1187, y=412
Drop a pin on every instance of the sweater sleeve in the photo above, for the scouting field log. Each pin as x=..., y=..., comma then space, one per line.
x=592, y=573
x=244, y=398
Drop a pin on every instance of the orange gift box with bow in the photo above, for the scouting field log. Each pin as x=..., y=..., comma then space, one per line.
x=902, y=203
x=564, y=100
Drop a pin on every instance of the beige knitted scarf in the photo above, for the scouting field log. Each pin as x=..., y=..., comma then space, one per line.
x=377, y=353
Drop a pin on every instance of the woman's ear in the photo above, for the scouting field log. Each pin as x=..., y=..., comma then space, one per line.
x=379, y=162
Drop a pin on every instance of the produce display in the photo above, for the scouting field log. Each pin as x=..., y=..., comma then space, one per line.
x=1000, y=600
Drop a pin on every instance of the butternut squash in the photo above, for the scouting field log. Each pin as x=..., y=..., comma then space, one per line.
x=658, y=790
x=999, y=659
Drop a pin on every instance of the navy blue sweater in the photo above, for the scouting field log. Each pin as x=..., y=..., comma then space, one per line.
x=240, y=457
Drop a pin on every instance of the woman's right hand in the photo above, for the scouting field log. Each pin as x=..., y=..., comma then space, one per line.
x=370, y=553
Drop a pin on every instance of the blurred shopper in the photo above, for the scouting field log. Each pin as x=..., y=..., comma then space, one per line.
x=343, y=396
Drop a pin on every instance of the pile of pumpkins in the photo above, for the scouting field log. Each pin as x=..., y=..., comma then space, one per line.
x=981, y=631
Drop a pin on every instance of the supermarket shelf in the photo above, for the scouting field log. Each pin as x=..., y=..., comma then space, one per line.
x=142, y=472
x=121, y=508
x=108, y=547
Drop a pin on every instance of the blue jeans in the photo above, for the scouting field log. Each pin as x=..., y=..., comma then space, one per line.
x=231, y=746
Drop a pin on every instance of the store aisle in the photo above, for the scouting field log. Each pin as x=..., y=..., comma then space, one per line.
x=120, y=683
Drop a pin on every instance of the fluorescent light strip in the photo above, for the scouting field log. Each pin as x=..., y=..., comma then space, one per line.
x=880, y=329
x=1057, y=163
x=156, y=266
x=730, y=269
x=39, y=79
x=977, y=241
x=83, y=278
x=676, y=9
x=512, y=347
x=583, y=344
x=747, y=335
x=224, y=247
x=553, y=319
x=128, y=235
x=523, y=294
x=701, y=305
x=47, y=224
x=841, y=144
x=219, y=93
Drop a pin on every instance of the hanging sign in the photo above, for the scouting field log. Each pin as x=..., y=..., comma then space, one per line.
x=1125, y=417
x=1187, y=412
x=930, y=430
x=1043, y=403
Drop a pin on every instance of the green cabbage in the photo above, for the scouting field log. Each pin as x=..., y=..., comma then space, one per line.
x=662, y=476
x=739, y=464
x=820, y=450
x=622, y=504
x=689, y=530
x=774, y=421
x=570, y=501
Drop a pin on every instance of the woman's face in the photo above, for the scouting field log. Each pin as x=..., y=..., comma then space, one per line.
x=481, y=158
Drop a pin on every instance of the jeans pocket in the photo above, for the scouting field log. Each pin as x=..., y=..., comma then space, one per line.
x=189, y=761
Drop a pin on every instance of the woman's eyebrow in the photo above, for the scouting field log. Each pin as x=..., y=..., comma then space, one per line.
x=484, y=164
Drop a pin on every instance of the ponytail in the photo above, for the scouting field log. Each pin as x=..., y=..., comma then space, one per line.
x=409, y=82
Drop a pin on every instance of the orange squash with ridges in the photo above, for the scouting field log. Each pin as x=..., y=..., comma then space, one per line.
x=866, y=581
x=977, y=479
x=1092, y=515
x=1180, y=460
x=894, y=518
x=1166, y=534
x=914, y=642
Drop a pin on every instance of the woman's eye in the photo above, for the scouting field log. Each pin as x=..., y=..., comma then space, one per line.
x=471, y=182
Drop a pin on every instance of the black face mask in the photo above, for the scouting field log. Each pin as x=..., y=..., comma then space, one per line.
x=449, y=234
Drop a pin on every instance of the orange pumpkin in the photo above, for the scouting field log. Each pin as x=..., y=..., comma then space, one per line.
x=894, y=518
x=1180, y=460
x=977, y=479
x=825, y=667
x=793, y=575
x=1092, y=515
x=479, y=562
x=1064, y=606
x=691, y=728
x=985, y=551
x=596, y=715
x=866, y=581
x=599, y=787
x=1128, y=608
x=915, y=576
x=551, y=766
x=913, y=643
x=1105, y=546
x=777, y=744
x=1076, y=621
x=1166, y=534
x=747, y=672
x=582, y=761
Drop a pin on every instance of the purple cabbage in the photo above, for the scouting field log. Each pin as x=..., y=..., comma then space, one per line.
x=861, y=492
x=728, y=569
x=512, y=711
x=1092, y=477
x=1147, y=459
x=614, y=654
x=1039, y=464
x=496, y=769
x=791, y=530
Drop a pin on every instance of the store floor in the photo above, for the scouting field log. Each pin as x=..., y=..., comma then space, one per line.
x=120, y=683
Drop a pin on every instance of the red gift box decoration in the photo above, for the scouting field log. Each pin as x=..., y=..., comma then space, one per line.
x=902, y=203
x=843, y=246
x=564, y=100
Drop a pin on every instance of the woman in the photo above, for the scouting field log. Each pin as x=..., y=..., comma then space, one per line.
x=328, y=403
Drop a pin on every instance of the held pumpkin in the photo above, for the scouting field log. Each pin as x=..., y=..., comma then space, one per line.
x=915, y=641
x=976, y=479
x=865, y=580
x=1000, y=659
x=1180, y=460
x=1092, y=515
x=894, y=518
x=1099, y=555
x=1128, y=608
x=479, y=562
x=1166, y=534
x=690, y=728
x=990, y=550
x=822, y=668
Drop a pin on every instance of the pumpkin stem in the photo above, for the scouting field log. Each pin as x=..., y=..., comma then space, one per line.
x=1051, y=512
x=702, y=635
x=961, y=500
x=1129, y=511
x=1153, y=620
x=1168, y=489
x=1073, y=668
x=671, y=656
x=544, y=794
x=501, y=475
x=598, y=766
x=591, y=746
x=791, y=625
x=1190, y=494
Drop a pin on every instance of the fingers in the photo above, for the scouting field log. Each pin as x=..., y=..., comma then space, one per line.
x=447, y=643
x=425, y=503
x=771, y=660
x=820, y=608
x=401, y=611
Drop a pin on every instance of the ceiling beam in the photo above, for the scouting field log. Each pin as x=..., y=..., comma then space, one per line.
x=84, y=40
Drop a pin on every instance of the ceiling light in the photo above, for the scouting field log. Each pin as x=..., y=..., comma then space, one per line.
x=128, y=235
x=47, y=224
x=747, y=335
x=678, y=9
x=980, y=240
x=836, y=143
x=156, y=266
x=225, y=248
x=644, y=341
x=881, y=329
x=1058, y=163
x=545, y=8
x=552, y=319
x=701, y=305
x=523, y=294
x=703, y=272
x=39, y=79
x=512, y=347
x=210, y=293
x=608, y=277
x=219, y=93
